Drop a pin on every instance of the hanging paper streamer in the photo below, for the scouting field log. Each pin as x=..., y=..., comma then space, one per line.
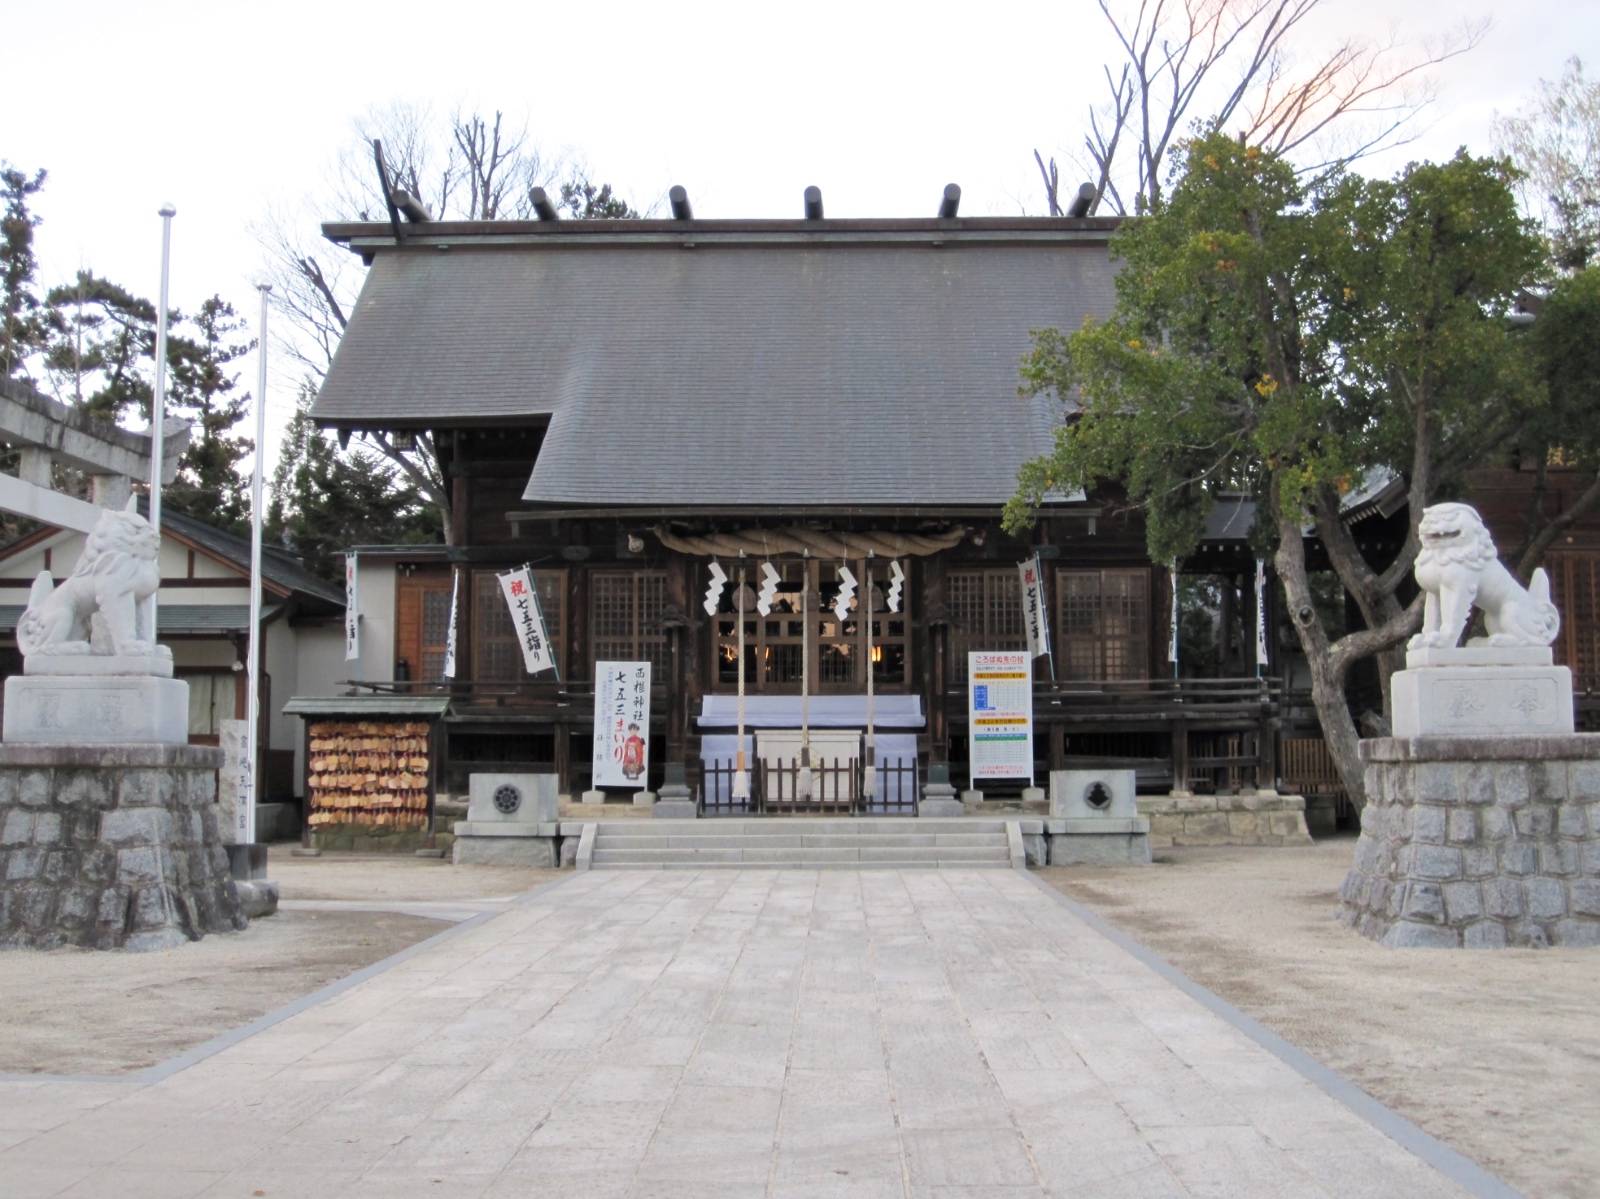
x=769, y=589
x=450, y=640
x=1261, y=615
x=1172, y=644
x=897, y=578
x=719, y=579
x=847, y=592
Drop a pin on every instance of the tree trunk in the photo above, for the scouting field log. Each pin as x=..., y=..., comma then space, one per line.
x=1327, y=670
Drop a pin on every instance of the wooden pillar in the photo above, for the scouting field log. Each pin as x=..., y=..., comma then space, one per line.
x=1180, y=758
x=1058, y=745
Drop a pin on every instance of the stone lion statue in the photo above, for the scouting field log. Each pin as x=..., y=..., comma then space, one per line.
x=1457, y=567
x=104, y=607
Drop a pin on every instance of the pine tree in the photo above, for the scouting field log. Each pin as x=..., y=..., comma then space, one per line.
x=102, y=338
x=210, y=485
x=20, y=327
x=325, y=500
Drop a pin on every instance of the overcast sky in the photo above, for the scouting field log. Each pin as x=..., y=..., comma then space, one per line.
x=225, y=108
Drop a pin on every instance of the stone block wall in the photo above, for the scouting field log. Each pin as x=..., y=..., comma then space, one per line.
x=1261, y=819
x=111, y=846
x=1480, y=842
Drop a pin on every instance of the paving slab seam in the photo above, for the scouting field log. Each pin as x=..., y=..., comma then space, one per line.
x=234, y=1036
x=1457, y=1167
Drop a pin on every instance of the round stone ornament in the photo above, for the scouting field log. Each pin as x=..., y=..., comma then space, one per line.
x=1098, y=796
x=507, y=799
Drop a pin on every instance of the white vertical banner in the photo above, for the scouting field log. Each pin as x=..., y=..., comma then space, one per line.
x=621, y=724
x=1261, y=615
x=1034, y=622
x=1000, y=714
x=450, y=638
x=522, y=598
x=1172, y=644
x=352, y=611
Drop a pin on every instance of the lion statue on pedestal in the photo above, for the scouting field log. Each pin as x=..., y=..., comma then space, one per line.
x=1457, y=567
x=104, y=607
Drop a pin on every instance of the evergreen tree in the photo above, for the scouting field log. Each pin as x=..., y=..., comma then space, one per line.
x=210, y=485
x=588, y=202
x=20, y=328
x=103, y=341
x=325, y=500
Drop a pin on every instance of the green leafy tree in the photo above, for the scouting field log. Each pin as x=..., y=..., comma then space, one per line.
x=325, y=500
x=1290, y=339
x=1564, y=432
x=210, y=484
x=20, y=327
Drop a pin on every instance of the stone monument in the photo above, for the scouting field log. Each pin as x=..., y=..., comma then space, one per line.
x=108, y=828
x=1482, y=824
x=512, y=820
x=1094, y=819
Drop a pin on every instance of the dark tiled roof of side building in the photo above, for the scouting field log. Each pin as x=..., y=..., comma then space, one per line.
x=803, y=363
x=277, y=566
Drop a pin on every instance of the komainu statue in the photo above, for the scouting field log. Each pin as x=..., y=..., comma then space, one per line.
x=1457, y=567
x=105, y=607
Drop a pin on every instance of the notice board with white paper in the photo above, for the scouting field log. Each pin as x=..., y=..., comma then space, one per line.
x=1000, y=714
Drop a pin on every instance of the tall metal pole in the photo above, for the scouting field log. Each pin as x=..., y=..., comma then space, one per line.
x=247, y=808
x=158, y=402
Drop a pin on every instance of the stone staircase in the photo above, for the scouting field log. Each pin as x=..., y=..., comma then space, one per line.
x=799, y=843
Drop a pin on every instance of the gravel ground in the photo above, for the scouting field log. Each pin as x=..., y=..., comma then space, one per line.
x=72, y=1011
x=1496, y=1053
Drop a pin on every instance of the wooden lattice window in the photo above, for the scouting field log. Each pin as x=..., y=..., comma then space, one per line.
x=625, y=618
x=1103, y=624
x=1575, y=588
x=496, y=652
x=985, y=614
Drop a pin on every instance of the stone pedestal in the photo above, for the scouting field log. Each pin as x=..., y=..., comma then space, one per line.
x=1481, y=691
x=512, y=820
x=96, y=710
x=111, y=847
x=1478, y=842
x=1094, y=819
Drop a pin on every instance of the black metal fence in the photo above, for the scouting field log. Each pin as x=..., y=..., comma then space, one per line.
x=836, y=789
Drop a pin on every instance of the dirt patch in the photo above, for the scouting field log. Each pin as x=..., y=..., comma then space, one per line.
x=1496, y=1053
x=71, y=1011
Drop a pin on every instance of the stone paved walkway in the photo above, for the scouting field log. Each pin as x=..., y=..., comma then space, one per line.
x=952, y=1034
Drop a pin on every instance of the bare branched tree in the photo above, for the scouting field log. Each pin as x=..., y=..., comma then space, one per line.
x=468, y=167
x=1555, y=141
x=1230, y=64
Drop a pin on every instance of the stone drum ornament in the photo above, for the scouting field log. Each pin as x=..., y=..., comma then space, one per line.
x=92, y=671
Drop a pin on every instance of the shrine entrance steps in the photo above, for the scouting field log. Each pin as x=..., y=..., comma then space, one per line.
x=800, y=843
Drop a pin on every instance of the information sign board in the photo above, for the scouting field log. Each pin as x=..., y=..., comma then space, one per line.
x=1000, y=714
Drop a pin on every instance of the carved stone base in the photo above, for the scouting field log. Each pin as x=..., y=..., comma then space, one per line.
x=96, y=711
x=1482, y=701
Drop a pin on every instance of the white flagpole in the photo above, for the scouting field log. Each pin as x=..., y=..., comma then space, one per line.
x=158, y=401
x=869, y=777
x=741, y=777
x=803, y=782
x=247, y=809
